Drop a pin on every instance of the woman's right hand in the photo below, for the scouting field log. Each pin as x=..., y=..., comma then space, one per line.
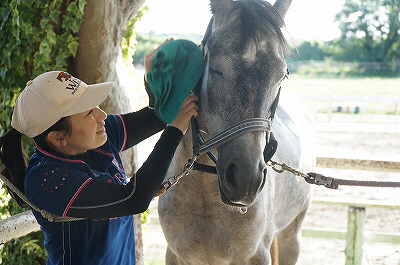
x=188, y=110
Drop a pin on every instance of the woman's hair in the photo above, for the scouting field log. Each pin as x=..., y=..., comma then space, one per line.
x=14, y=158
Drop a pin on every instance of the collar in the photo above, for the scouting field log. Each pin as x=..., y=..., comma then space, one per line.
x=102, y=151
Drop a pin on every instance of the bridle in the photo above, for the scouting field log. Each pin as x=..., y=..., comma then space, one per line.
x=201, y=146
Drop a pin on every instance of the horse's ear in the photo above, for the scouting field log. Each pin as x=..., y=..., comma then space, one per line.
x=221, y=8
x=282, y=6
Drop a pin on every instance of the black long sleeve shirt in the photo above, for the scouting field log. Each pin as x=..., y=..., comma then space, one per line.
x=106, y=200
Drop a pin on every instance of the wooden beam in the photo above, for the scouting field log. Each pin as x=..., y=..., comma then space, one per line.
x=17, y=226
x=358, y=164
x=357, y=203
x=369, y=237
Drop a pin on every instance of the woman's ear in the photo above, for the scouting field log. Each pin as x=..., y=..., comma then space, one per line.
x=57, y=139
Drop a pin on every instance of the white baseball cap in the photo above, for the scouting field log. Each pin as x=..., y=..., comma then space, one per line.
x=51, y=96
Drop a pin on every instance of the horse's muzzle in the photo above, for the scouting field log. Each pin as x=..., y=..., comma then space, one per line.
x=239, y=186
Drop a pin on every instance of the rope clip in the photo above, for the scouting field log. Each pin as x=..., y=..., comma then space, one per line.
x=318, y=179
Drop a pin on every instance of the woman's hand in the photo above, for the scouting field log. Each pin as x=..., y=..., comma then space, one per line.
x=149, y=58
x=188, y=110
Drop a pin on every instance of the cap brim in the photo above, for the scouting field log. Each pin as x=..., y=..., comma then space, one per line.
x=94, y=95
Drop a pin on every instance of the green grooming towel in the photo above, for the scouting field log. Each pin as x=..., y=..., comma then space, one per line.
x=176, y=69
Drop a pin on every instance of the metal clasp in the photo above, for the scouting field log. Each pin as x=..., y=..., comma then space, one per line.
x=174, y=179
x=189, y=165
x=278, y=168
x=318, y=179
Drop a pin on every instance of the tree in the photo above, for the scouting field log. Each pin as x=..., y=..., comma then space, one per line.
x=373, y=24
x=82, y=37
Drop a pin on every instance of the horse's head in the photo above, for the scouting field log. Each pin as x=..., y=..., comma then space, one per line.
x=245, y=66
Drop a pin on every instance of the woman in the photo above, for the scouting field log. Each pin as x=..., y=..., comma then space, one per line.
x=76, y=170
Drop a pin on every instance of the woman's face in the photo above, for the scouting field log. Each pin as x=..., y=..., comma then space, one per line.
x=88, y=131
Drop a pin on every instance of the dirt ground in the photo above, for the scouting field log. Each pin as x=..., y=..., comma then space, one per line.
x=379, y=140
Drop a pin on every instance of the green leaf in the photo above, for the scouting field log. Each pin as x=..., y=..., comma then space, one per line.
x=54, y=15
x=73, y=47
x=81, y=5
x=4, y=14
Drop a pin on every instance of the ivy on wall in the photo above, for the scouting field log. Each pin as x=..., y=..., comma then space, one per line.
x=129, y=42
x=35, y=36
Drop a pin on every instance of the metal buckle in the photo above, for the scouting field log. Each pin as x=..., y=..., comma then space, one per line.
x=318, y=179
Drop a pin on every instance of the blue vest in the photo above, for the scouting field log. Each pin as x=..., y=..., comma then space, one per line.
x=52, y=183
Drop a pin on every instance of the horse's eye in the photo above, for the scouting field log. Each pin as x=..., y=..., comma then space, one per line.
x=215, y=72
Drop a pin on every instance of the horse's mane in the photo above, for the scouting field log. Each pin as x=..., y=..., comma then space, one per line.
x=261, y=15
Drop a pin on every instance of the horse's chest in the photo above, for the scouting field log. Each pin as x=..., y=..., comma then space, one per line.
x=205, y=237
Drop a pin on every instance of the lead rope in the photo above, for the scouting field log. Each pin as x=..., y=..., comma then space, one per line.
x=49, y=216
x=329, y=182
x=311, y=178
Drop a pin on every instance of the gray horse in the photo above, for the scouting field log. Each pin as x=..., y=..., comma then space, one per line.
x=202, y=216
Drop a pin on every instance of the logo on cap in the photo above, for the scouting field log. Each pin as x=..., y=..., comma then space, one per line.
x=64, y=75
x=73, y=83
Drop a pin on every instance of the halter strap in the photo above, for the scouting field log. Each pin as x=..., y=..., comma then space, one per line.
x=249, y=125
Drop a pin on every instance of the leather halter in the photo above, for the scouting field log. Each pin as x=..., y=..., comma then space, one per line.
x=200, y=146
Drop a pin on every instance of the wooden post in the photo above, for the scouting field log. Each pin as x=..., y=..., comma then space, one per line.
x=355, y=235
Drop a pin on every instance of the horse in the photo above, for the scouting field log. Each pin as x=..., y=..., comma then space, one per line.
x=234, y=216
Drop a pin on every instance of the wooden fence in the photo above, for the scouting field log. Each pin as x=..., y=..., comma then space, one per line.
x=355, y=235
x=24, y=223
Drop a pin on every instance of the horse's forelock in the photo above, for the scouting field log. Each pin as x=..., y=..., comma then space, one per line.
x=259, y=15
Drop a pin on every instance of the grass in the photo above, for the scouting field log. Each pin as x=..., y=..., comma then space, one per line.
x=374, y=95
x=372, y=87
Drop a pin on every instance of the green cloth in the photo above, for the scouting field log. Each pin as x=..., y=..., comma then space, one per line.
x=176, y=68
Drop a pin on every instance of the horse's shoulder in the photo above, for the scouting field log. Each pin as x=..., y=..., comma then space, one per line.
x=294, y=128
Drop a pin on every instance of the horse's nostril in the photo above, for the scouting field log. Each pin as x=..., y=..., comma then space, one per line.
x=230, y=175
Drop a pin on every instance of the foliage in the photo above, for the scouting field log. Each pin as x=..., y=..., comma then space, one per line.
x=28, y=249
x=24, y=250
x=35, y=37
x=370, y=43
x=148, y=42
x=307, y=50
x=337, y=69
x=129, y=42
x=371, y=27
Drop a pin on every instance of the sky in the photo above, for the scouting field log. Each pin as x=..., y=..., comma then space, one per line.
x=306, y=19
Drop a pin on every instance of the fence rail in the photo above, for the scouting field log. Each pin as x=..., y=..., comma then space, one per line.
x=17, y=226
x=380, y=237
x=358, y=164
